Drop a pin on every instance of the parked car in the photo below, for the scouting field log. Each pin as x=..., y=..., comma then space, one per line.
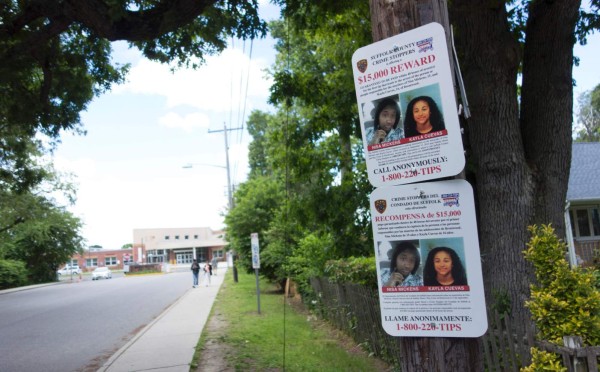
x=101, y=272
x=68, y=270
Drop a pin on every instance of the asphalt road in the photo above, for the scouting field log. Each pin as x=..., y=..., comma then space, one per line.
x=77, y=326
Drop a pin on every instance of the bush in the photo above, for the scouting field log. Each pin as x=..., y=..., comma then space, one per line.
x=357, y=270
x=12, y=274
x=308, y=260
x=564, y=302
x=144, y=269
x=543, y=361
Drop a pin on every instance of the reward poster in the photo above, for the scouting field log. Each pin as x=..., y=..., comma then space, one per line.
x=407, y=108
x=428, y=263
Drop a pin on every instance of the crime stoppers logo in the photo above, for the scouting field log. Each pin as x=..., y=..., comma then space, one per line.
x=425, y=45
x=362, y=65
x=380, y=205
x=451, y=199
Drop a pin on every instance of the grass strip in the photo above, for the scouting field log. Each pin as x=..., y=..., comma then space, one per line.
x=279, y=338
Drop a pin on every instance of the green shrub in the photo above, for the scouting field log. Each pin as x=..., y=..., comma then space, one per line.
x=12, y=274
x=308, y=260
x=543, y=361
x=596, y=273
x=357, y=270
x=564, y=302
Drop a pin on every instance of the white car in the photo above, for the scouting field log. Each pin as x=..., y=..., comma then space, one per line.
x=68, y=270
x=101, y=272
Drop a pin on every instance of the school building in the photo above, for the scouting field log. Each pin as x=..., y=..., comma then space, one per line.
x=178, y=246
x=172, y=248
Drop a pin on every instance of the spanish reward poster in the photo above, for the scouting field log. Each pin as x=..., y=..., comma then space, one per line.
x=428, y=263
x=407, y=108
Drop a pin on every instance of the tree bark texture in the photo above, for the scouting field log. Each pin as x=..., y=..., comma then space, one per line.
x=522, y=158
x=546, y=119
x=441, y=354
x=392, y=17
x=489, y=57
x=389, y=18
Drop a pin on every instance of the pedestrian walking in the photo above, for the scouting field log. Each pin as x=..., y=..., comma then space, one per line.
x=195, y=270
x=215, y=264
x=206, y=275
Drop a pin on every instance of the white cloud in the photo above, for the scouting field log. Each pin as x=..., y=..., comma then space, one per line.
x=111, y=207
x=187, y=122
x=217, y=86
x=82, y=167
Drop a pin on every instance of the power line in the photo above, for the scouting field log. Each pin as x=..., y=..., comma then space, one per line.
x=241, y=117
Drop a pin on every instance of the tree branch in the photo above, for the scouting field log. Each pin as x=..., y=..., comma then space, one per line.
x=140, y=25
x=16, y=222
x=43, y=20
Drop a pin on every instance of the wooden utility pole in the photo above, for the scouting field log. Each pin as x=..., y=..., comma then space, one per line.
x=229, y=189
x=389, y=18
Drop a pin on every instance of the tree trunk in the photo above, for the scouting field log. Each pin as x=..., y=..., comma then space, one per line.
x=441, y=354
x=389, y=18
x=522, y=161
x=546, y=123
x=490, y=59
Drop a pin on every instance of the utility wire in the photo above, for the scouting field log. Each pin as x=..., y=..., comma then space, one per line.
x=239, y=103
x=243, y=117
x=287, y=181
x=247, y=84
x=231, y=89
x=241, y=113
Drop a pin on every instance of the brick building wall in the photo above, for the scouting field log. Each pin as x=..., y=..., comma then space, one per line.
x=113, y=259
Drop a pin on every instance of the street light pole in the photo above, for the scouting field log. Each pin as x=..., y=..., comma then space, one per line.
x=229, y=197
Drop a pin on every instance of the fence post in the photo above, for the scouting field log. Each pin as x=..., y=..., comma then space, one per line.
x=578, y=364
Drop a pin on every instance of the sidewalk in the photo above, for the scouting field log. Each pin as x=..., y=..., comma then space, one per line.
x=169, y=342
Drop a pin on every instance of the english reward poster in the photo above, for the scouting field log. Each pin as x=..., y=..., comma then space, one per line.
x=407, y=108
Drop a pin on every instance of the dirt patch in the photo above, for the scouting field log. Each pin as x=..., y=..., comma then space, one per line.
x=213, y=356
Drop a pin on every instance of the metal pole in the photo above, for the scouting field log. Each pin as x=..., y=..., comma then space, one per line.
x=257, y=290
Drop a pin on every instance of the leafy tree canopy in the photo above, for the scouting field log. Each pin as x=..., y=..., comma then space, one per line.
x=520, y=176
x=309, y=149
x=35, y=228
x=588, y=116
x=56, y=55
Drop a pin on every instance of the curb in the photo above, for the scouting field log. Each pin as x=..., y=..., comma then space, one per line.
x=28, y=287
x=124, y=348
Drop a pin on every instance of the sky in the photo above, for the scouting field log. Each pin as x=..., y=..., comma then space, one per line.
x=129, y=166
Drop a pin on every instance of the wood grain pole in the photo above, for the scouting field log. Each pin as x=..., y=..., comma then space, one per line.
x=389, y=18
